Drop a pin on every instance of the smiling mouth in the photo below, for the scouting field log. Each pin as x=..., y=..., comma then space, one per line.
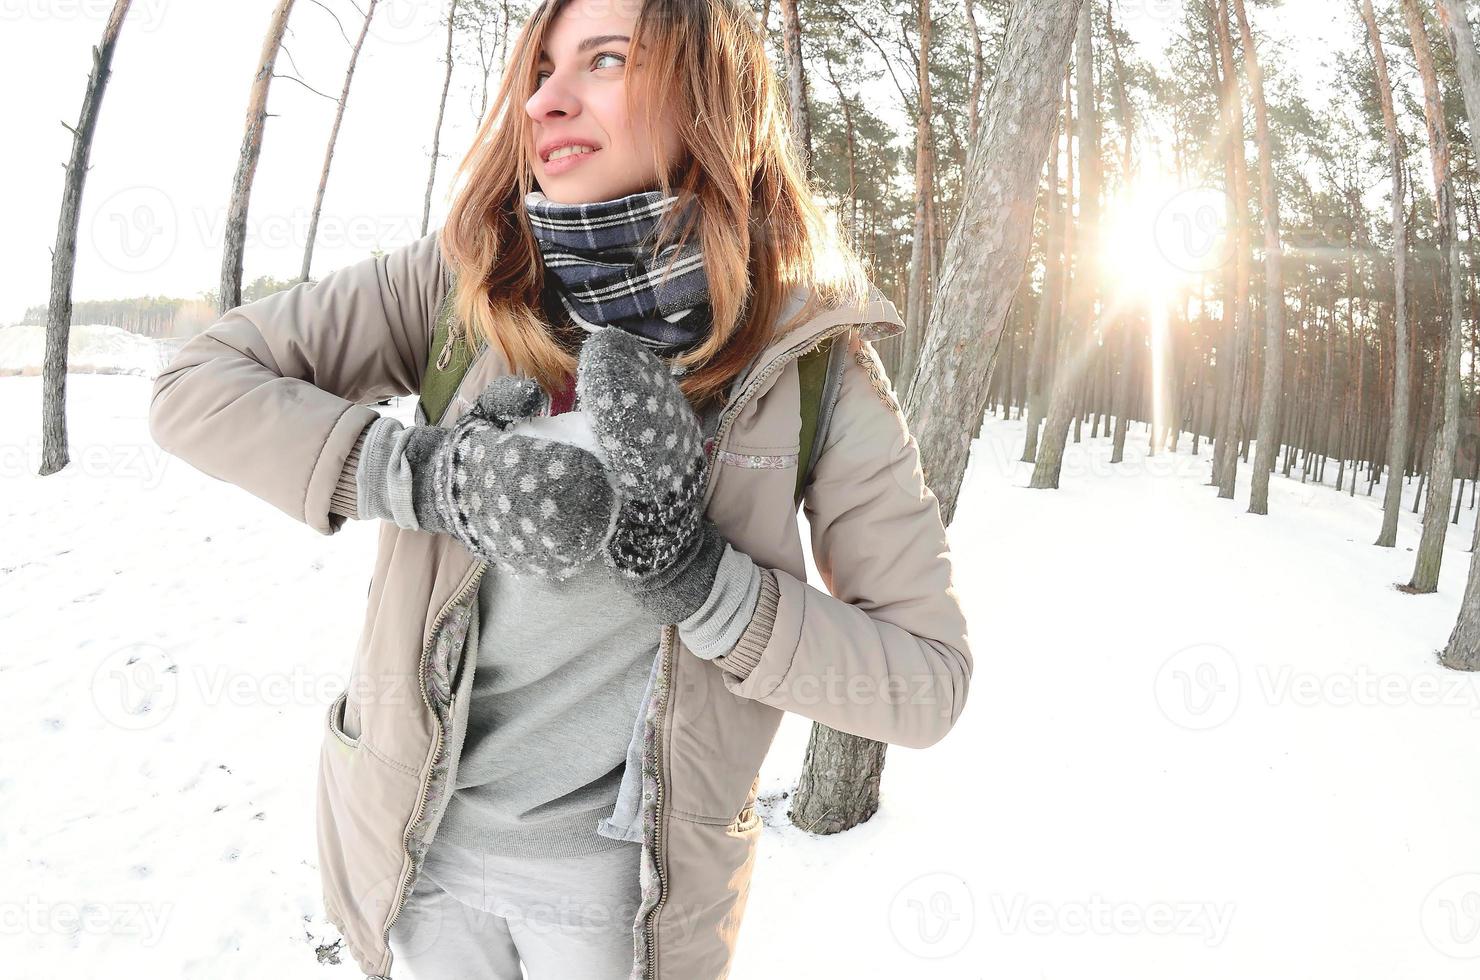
x=572, y=150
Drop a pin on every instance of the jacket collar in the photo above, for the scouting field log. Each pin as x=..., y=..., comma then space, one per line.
x=876, y=313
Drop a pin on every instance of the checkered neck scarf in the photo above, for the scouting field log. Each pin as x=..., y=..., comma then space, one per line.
x=602, y=274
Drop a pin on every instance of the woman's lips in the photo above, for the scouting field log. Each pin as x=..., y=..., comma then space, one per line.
x=561, y=165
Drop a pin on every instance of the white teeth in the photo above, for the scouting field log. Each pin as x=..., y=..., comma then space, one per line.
x=566, y=151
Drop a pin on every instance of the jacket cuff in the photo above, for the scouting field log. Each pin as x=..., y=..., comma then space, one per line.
x=345, y=500
x=385, y=481
x=716, y=625
x=741, y=660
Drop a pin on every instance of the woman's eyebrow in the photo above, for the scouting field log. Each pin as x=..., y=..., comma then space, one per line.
x=589, y=43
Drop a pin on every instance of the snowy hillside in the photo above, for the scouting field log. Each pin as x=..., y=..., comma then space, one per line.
x=1198, y=743
x=91, y=349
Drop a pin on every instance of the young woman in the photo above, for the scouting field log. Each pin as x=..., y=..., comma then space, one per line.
x=576, y=650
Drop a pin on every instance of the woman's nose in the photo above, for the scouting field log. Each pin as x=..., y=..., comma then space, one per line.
x=551, y=100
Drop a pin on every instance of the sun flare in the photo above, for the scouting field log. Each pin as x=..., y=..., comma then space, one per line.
x=1156, y=236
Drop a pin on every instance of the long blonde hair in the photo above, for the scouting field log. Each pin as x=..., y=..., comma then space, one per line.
x=761, y=232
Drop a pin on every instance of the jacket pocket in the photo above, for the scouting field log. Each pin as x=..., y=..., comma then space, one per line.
x=338, y=721
x=717, y=742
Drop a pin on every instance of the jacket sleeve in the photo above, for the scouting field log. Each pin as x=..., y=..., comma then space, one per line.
x=271, y=396
x=886, y=655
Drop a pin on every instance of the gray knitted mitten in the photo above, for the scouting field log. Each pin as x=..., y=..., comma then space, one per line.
x=530, y=505
x=663, y=548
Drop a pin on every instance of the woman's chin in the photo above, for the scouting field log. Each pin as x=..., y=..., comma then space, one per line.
x=587, y=188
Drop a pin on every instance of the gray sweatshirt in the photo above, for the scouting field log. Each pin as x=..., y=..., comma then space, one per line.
x=551, y=763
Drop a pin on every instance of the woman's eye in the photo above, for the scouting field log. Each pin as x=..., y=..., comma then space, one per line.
x=540, y=76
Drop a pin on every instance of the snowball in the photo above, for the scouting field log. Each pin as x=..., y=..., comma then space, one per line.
x=568, y=427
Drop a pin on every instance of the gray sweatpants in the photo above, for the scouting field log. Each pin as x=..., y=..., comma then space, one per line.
x=477, y=916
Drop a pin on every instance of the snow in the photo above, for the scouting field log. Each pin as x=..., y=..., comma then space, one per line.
x=1198, y=743
x=92, y=348
x=569, y=427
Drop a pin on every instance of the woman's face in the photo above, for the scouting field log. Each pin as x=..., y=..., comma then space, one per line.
x=580, y=98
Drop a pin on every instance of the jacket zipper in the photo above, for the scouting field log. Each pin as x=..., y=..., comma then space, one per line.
x=421, y=682
x=666, y=650
x=726, y=420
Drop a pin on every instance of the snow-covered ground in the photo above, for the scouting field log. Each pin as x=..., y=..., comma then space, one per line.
x=1198, y=743
x=93, y=348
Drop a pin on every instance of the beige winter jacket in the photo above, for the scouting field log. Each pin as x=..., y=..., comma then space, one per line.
x=273, y=398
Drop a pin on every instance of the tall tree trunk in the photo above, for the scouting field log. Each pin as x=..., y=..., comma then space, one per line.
x=989, y=241
x=922, y=248
x=846, y=103
x=1225, y=452
x=235, y=244
x=318, y=201
x=54, y=454
x=1467, y=61
x=1077, y=338
x=426, y=204
x=1222, y=336
x=1129, y=333
x=1397, y=465
x=982, y=271
x=796, y=81
x=1054, y=260
x=1267, y=438
x=1123, y=388
x=839, y=785
x=1463, y=649
x=1446, y=409
x=978, y=69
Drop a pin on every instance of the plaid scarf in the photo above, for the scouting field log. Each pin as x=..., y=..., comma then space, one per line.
x=602, y=276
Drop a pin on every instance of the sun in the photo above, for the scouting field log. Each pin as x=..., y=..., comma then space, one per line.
x=1157, y=236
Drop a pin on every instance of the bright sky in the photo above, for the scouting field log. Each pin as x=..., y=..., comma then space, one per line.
x=171, y=128
x=1308, y=31
x=170, y=133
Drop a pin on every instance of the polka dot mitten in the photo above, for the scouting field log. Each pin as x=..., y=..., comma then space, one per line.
x=530, y=505
x=663, y=548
